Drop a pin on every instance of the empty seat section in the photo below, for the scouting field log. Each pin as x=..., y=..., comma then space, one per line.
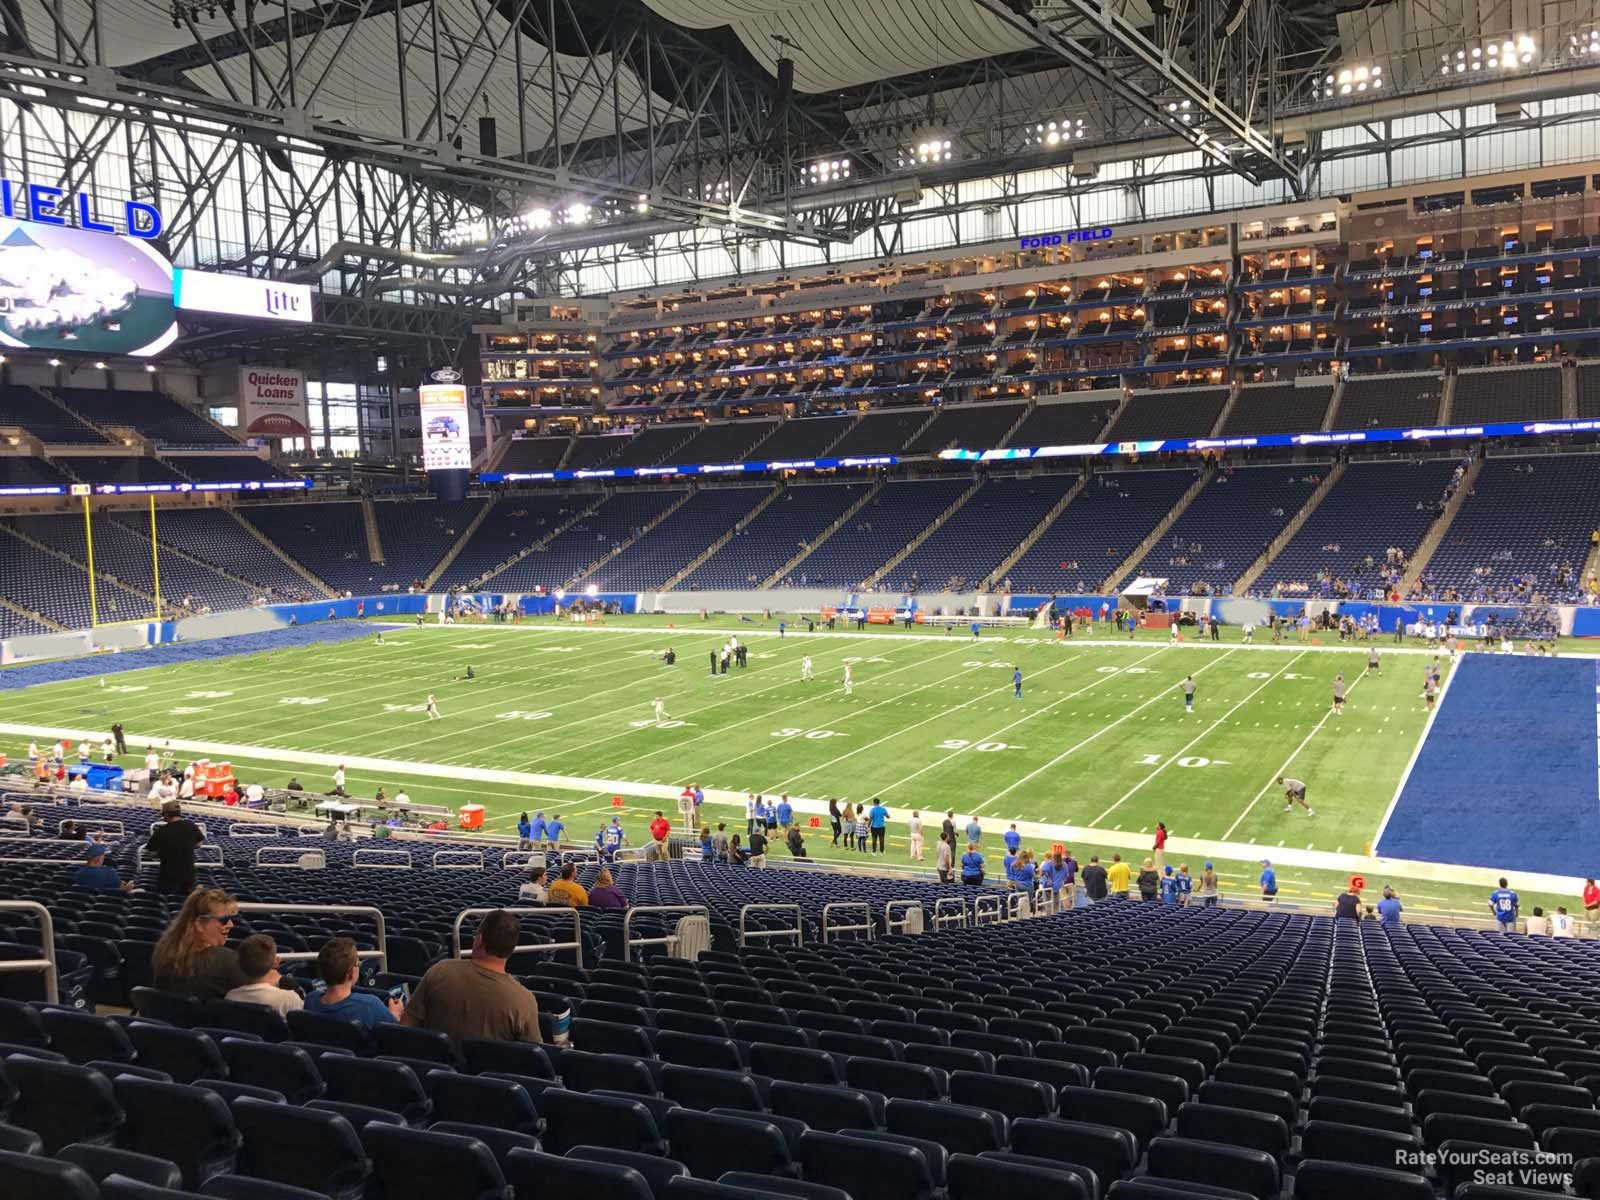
x=1507, y=394
x=1391, y=401
x=960, y=555
x=513, y=524
x=591, y=537
x=154, y=414
x=968, y=427
x=774, y=536
x=882, y=432
x=680, y=538
x=1180, y=413
x=1279, y=408
x=877, y=531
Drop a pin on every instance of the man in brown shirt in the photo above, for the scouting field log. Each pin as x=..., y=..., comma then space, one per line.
x=474, y=997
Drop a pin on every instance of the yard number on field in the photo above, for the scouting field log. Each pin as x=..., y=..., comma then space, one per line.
x=303, y=700
x=1188, y=760
x=517, y=714
x=984, y=747
x=815, y=735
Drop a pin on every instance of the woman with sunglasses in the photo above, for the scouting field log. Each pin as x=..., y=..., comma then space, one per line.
x=192, y=956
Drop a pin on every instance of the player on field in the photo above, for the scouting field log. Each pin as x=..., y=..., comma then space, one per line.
x=849, y=683
x=1430, y=692
x=660, y=707
x=1249, y=632
x=1294, y=792
x=1016, y=682
x=1372, y=660
x=805, y=668
x=1188, y=693
x=432, y=707
x=1338, y=693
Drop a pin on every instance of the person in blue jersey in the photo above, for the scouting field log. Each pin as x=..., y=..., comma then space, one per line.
x=1269, y=881
x=1023, y=872
x=1007, y=861
x=1169, y=886
x=974, y=629
x=972, y=866
x=759, y=815
x=1016, y=682
x=524, y=833
x=536, y=830
x=613, y=837
x=1053, y=874
x=708, y=852
x=553, y=830
x=974, y=832
x=339, y=967
x=1389, y=908
x=785, y=813
x=878, y=824
x=1185, y=885
x=1012, y=839
x=1503, y=904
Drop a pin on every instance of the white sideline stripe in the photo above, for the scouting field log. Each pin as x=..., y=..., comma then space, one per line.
x=1200, y=737
x=1416, y=753
x=1073, y=749
x=1022, y=640
x=1276, y=775
x=1320, y=860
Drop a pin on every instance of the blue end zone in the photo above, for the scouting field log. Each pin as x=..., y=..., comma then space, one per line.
x=29, y=674
x=1507, y=776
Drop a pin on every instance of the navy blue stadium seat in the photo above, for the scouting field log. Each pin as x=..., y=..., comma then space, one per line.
x=706, y=1088
x=237, y=1187
x=478, y=1100
x=534, y=1174
x=1111, y=1153
x=416, y=1164
x=182, y=1054
x=189, y=1125
x=876, y=1166
x=304, y=1147
x=379, y=1084
x=974, y=1178
x=959, y=1128
x=577, y=1119
x=29, y=1177
x=63, y=1103
x=101, y=1161
x=658, y=1172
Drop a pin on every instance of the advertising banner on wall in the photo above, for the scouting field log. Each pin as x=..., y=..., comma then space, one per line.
x=446, y=434
x=240, y=296
x=272, y=402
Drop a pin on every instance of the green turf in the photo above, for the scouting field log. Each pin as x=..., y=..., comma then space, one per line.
x=1100, y=739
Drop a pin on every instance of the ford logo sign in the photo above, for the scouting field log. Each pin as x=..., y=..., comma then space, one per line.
x=446, y=375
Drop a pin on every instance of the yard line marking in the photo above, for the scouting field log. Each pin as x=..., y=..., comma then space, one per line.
x=1012, y=725
x=1160, y=695
x=1172, y=758
x=761, y=716
x=938, y=716
x=1416, y=752
x=1273, y=782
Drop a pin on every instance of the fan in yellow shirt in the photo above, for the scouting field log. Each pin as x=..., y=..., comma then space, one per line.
x=1117, y=876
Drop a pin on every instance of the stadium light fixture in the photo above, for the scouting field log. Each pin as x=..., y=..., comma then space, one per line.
x=930, y=149
x=99, y=366
x=149, y=368
x=1501, y=54
x=1054, y=133
x=55, y=362
x=1585, y=43
x=825, y=171
x=1352, y=81
x=577, y=213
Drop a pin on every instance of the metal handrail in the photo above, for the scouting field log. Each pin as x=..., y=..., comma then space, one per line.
x=98, y=825
x=890, y=925
x=850, y=904
x=381, y=953
x=991, y=906
x=670, y=939
x=254, y=829
x=298, y=863
x=47, y=949
x=941, y=911
x=356, y=861
x=523, y=859
x=462, y=860
x=140, y=863
x=308, y=830
x=576, y=944
x=798, y=933
x=1017, y=906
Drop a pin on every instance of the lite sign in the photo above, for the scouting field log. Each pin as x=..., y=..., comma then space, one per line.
x=240, y=296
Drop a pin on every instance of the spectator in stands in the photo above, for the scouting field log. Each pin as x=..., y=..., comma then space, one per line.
x=660, y=831
x=972, y=866
x=834, y=818
x=944, y=860
x=567, y=891
x=534, y=891
x=1503, y=904
x=949, y=827
x=339, y=967
x=1561, y=925
x=758, y=847
x=524, y=833
x=605, y=893
x=1095, y=881
x=1591, y=900
x=1538, y=924
x=1118, y=876
x=1209, y=891
x=258, y=960
x=796, y=842
x=174, y=842
x=95, y=876
x=738, y=856
x=1269, y=881
x=719, y=843
x=877, y=825
x=975, y=832
x=1149, y=881
x=474, y=997
x=1347, y=904
x=1389, y=908
x=192, y=956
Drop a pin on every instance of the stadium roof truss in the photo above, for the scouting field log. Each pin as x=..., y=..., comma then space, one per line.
x=639, y=143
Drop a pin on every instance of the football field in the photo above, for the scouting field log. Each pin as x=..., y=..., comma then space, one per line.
x=1097, y=750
